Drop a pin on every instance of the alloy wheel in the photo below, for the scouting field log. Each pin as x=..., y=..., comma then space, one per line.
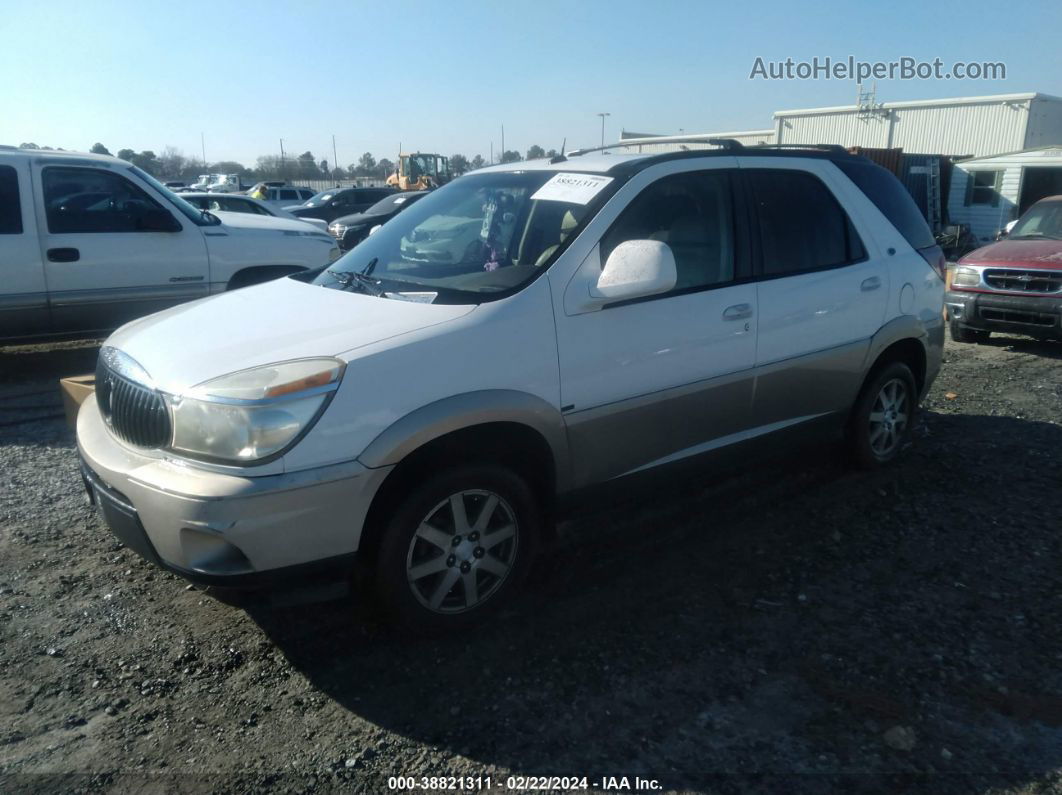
x=462, y=551
x=888, y=417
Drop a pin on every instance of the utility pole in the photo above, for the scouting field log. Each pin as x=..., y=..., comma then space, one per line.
x=202, y=145
x=503, y=142
x=603, y=115
x=492, y=153
x=335, y=157
x=282, y=158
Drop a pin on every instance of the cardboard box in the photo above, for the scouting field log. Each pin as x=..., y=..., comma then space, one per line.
x=75, y=389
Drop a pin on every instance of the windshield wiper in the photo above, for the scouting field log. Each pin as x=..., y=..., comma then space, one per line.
x=361, y=278
x=1034, y=235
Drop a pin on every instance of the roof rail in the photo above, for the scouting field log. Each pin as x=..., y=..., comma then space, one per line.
x=730, y=144
x=835, y=148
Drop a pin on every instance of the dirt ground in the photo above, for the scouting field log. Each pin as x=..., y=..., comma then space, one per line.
x=796, y=627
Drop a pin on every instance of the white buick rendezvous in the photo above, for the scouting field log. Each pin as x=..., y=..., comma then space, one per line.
x=416, y=407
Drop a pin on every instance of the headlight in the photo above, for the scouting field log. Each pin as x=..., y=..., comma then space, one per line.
x=965, y=277
x=253, y=414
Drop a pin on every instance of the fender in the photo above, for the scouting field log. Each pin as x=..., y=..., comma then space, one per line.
x=464, y=411
x=930, y=335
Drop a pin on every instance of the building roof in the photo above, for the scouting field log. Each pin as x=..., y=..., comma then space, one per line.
x=925, y=103
x=1011, y=155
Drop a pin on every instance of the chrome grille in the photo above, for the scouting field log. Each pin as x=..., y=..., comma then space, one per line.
x=135, y=413
x=1024, y=281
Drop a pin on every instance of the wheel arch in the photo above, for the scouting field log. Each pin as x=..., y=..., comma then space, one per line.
x=906, y=340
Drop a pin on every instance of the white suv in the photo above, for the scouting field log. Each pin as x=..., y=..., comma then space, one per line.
x=89, y=242
x=526, y=331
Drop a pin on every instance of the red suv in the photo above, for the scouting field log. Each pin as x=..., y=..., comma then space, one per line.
x=1014, y=285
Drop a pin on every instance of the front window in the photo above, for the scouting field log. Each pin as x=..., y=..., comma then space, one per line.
x=479, y=237
x=1043, y=220
x=320, y=198
x=193, y=214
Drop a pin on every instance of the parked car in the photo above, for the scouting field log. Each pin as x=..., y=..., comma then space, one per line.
x=285, y=197
x=331, y=204
x=1013, y=285
x=88, y=242
x=226, y=183
x=349, y=230
x=419, y=414
x=239, y=203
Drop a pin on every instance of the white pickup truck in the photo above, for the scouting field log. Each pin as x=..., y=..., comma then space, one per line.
x=89, y=242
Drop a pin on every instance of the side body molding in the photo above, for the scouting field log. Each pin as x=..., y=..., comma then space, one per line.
x=464, y=411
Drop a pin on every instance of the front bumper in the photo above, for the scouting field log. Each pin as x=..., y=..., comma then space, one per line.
x=226, y=529
x=1037, y=316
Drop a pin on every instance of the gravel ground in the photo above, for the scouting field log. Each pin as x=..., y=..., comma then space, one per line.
x=802, y=627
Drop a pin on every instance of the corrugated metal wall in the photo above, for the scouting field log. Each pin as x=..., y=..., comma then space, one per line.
x=975, y=128
x=1045, y=123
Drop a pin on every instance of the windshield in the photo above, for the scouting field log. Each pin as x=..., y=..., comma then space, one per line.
x=481, y=236
x=319, y=198
x=1042, y=220
x=194, y=214
x=384, y=206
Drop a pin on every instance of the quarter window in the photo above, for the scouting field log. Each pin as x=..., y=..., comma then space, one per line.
x=693, y=214
x=10, y=205
x=802, y=227
x=91, y=200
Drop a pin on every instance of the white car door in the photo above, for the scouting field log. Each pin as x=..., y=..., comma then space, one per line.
x=822, y=290
x=111, y=251
x=23, y=294
x=655, y=379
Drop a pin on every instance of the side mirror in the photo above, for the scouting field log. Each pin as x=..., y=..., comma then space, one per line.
x=635, y=269
x=157, y=220
x=374, y=229
x=211, y=219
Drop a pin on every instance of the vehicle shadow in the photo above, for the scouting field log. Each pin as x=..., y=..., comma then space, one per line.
x=755, y=630
x=21, y=363
x=1048, y=349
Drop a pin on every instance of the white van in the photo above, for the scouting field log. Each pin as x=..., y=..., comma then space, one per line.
x=89, y=242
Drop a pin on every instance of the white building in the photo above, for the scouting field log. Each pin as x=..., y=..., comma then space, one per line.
x=963, y=126
x=960, y=127
x=988, y=192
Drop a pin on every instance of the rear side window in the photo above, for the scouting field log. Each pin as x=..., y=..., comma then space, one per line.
x=93, y=200
x=802, y=227
x=892, y=199
x=286, y=195
x=10, y=205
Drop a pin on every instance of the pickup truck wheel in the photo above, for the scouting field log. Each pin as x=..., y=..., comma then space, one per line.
x=458, y=547
x=883, y=416
x=961, y=333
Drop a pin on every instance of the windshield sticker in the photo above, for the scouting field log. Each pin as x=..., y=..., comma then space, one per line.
x=572, y=188
x=400, y=199
x=413, y=297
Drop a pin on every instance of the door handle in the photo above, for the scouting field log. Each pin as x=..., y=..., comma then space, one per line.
x=63, y=255
x=737, y=312
x=873, y=283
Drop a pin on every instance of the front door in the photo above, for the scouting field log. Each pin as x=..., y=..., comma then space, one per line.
x=102, y=264
x=656, y=379
x=23, y=295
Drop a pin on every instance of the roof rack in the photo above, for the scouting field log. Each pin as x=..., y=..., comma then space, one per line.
x=728, y=144
x=835, y=148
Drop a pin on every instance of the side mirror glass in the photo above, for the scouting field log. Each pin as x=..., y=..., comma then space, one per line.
x=211, y=219
x=635, y=269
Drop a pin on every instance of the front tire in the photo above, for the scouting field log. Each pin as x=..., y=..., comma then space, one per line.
x=458, y=547
x=961, y=333
x=883, y=416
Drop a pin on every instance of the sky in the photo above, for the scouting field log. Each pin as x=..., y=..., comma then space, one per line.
x=446, y=76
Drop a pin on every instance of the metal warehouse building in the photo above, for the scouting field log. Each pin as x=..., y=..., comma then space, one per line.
x=965, y=126
x=959, y=127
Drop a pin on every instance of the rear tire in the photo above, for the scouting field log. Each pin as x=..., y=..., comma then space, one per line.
x=883, y=416
x=457, y=547
x=961, y=333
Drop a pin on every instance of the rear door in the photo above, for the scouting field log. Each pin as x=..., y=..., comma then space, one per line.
x=104, y=263
x=23, y=294
x=822, y=290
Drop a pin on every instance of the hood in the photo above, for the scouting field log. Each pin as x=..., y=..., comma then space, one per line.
x=1045, y=254
x=247, y=222
x=356, y=219
x=272, y=322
